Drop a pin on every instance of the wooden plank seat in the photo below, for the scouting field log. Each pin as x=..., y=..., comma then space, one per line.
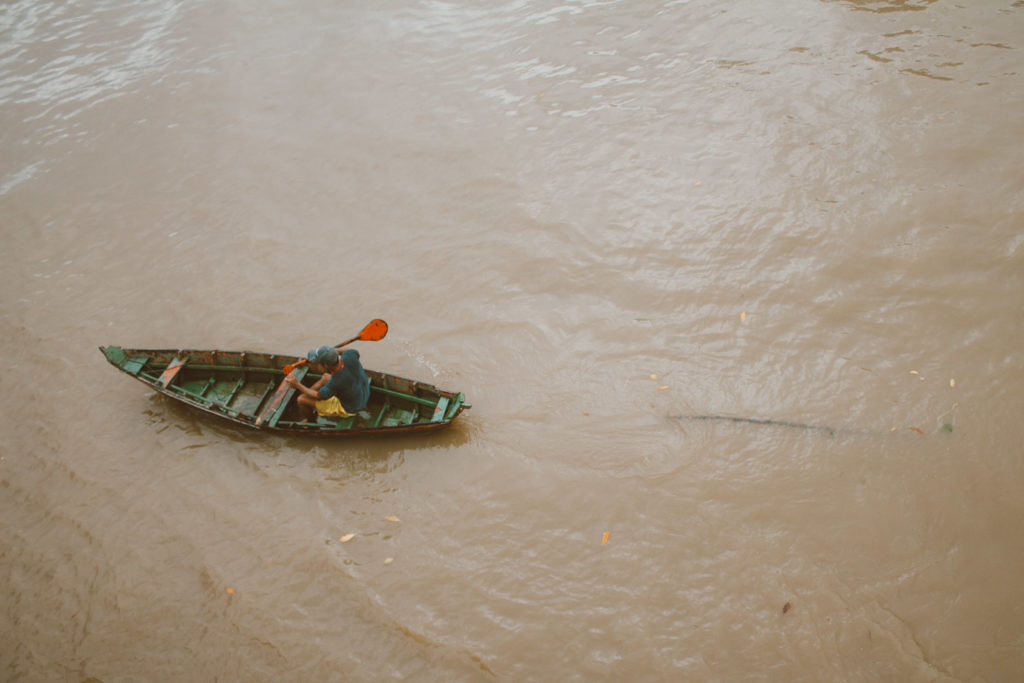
x=439, y=409
x=135, y=364
x=224, y=403
x=275, y=407
x=172, y=370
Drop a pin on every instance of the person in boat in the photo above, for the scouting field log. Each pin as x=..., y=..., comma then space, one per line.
x=343, y=388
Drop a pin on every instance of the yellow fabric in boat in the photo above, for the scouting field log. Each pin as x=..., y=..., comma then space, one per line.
x=331, y=408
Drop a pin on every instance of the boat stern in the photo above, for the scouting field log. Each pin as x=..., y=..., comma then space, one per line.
x=456, y=406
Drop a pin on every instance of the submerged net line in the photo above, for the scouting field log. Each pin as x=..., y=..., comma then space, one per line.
x=832, y=431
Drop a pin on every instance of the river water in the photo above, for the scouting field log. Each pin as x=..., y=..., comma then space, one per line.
x=598, y=219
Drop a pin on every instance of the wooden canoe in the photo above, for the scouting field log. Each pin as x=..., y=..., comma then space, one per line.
x=248, y=388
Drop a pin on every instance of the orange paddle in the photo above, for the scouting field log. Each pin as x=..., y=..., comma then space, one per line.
x=374, y=331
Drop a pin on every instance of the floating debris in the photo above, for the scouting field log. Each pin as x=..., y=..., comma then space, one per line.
x=346, y=538
x=604, y=539
x=392, y=518
x=948, y=425
x=788, y=606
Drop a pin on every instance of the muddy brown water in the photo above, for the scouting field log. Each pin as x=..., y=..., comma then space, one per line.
x=597, y=219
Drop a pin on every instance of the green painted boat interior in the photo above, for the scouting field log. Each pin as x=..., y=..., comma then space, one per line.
x=240, y=386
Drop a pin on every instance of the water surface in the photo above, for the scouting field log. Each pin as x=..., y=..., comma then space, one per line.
x=597, y=219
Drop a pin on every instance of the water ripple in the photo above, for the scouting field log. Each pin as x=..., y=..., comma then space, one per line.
x=60, y=60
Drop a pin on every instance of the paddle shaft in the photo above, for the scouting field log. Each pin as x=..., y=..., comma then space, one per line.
x=375, y=330
x=346, y=343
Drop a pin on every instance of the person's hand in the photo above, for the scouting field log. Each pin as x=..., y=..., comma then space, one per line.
x=292, y=382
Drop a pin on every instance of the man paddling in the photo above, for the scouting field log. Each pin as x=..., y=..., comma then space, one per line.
x=342, y=390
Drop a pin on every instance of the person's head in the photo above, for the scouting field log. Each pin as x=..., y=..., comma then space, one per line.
x=326, y=357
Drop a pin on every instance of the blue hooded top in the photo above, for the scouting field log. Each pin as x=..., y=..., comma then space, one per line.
x=350, y=384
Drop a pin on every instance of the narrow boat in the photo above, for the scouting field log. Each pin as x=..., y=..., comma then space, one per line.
x=248, y=388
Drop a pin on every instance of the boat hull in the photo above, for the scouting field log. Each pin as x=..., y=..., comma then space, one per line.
x=248, y=389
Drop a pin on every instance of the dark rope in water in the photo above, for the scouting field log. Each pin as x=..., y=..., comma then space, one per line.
x=832, y=431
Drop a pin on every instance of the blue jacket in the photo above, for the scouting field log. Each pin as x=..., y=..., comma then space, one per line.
x=350, y=384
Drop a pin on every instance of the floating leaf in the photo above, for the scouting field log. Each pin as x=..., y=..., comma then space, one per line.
x=346, y=538
x=914, y=372
x=743, y=316
x=604, y=539
x=654, y=376
x=583, y=412
x=392, y=518
x=662, y=387
x=229, y=591
x=918, y=430
x=952, y=382
x=389, y=560
x=788, y=606
x=948, y=427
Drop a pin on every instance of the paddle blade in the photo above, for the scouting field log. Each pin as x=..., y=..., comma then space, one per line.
x=288, y=368
x=375, y=331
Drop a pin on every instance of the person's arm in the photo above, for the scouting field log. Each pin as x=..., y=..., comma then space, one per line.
x=313, y=391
